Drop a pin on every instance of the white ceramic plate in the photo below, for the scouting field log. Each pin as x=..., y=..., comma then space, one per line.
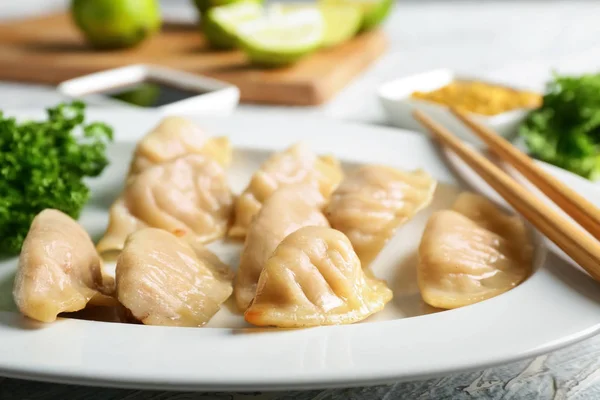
x=556, y=306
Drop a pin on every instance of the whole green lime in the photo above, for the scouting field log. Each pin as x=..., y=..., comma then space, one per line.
x=111, y=24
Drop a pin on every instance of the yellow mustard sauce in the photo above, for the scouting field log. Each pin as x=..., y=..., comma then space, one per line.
x=481, y=98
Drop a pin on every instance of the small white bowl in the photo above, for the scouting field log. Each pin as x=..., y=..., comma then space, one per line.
x=214, y=97
x=395, y=97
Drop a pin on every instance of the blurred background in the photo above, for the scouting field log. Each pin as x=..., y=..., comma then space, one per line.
x=520, y=42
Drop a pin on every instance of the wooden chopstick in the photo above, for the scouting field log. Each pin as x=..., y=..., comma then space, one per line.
x=581, y=210
x=583, y=249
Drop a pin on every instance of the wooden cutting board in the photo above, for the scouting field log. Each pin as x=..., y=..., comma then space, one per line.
x=51, y=50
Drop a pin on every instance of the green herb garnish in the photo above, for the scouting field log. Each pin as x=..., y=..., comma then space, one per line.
x=42, y=165
x=565, y=130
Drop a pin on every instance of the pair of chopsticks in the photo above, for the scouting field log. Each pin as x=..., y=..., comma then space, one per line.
x=583, y=249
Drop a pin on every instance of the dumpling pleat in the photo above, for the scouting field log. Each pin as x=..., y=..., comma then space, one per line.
x=59, y=269
x=287, y=210
x=165, y=280
x=315, y=278
x=472, y=253
x=296, y=165
x=188, y=196
x=373, y=201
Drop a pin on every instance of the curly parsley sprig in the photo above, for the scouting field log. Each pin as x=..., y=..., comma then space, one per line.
x=565, y=130
x=42, y=165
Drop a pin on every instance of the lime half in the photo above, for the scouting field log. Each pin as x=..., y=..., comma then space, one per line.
x=342, y=21
x=221, y=23
x=277, y=40
x=374, y=11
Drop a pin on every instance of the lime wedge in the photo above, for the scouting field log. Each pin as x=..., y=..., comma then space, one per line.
x=281, y=39
x=342, y=21
x=374, y=11
x=221, y=23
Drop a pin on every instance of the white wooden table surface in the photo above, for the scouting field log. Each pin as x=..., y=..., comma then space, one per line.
x=515, y=41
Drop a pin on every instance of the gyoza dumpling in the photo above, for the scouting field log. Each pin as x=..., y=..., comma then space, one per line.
x=165, y=280
x=59, y=269
x=188, y=196
x=174, y=137
x=472, y=253
x=487, y=215
x=315, y=278
x=287, y=210
x=120, y=224
x=297, y=164
x=373, y=201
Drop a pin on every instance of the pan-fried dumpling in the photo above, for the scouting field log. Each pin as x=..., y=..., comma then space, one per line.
x=165, y=280
x=297, y=164
x=315, y=278
x=472, y=253
x=287, y=210
x=120, y=224
x=59, y=269
x=174, y=137
x=487, y=215
x=373, y=201
x=188, y=196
